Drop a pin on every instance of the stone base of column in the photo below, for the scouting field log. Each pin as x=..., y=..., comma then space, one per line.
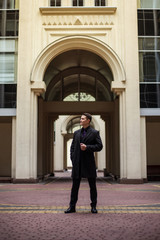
x=25, y=180
x=131, y=181
x=5, y=179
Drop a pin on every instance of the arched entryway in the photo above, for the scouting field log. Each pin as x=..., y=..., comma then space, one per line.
x=78, y=79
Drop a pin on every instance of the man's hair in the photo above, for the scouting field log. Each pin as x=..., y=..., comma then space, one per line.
x=88, y=116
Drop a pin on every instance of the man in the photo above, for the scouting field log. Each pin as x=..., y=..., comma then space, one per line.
x=85, y=142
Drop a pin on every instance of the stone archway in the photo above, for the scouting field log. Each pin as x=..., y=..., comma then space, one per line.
x=81, y=42
x=97, y=47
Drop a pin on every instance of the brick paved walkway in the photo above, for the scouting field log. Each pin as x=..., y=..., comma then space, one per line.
x=36, y=211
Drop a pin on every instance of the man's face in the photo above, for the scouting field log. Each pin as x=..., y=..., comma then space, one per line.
x=84, y=122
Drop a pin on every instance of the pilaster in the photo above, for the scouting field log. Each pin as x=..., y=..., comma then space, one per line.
x=26, y=142
x=143, y=148
x=119, y=89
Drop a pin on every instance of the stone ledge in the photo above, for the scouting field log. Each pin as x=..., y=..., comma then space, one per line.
x=77, y=10
x=131, y=181
x=5, y=179
x=25, y=180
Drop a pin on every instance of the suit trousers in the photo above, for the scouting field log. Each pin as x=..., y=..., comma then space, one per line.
x=75, y=189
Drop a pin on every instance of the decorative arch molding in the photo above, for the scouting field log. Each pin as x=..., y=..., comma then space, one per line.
x=78, y=42
x=65, y=123
x=69, y=118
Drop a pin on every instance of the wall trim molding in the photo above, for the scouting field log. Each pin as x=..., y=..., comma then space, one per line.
x=150, y=111
x=131, y=181
x=7, y=112
x=77, y=10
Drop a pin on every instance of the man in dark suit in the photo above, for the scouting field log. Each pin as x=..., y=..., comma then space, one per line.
x=85, y=142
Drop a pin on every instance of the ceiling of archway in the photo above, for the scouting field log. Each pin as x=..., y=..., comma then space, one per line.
x=72, y=63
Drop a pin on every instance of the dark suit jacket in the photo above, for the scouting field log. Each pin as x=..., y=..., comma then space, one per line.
x=83, y=162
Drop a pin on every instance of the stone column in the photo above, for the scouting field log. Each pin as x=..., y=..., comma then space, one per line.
x=22, y=134
x=132, y=168
x=122, y=124
x=119, y=89
x=26, y=134
x=33, y=135
x=36, y=89
x=129, y=122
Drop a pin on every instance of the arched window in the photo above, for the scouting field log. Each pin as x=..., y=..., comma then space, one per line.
x=79, y=97
x=78, y=75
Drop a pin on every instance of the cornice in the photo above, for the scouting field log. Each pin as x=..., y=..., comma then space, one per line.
x=77, y=10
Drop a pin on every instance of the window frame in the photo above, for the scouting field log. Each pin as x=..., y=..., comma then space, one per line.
x=14, y=54
x=7, y=20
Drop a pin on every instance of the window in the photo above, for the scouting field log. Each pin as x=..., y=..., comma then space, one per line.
x=55, y=3
x=9, y=22
x=78, y=3
x=79, y=87
x=150, y=95
x=149, y=22
x=149, y=56
x=100, y=3
x=9, y=4
x=79, y=97
x=149, y=43
x=8, y=60
x=85, y=77
x=149, y=67
x=9, y=19
x=148, y=4
x=6, y=67
x=8, y=95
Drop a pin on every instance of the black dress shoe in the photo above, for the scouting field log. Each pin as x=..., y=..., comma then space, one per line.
x=94, y=210
x=70, y=210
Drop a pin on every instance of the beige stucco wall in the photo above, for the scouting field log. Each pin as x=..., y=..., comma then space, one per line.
x=111, y=35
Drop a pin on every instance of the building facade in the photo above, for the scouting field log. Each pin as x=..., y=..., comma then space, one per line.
x=60, y=58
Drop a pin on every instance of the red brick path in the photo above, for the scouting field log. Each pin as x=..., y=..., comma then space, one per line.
x=36, y=211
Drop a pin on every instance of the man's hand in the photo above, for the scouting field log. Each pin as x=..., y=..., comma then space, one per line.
x=83, y=146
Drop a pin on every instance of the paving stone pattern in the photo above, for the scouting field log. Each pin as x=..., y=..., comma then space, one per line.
x=36, y=211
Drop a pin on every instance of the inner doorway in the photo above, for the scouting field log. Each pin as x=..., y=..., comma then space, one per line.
x=77, y=81
x=65, y=127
